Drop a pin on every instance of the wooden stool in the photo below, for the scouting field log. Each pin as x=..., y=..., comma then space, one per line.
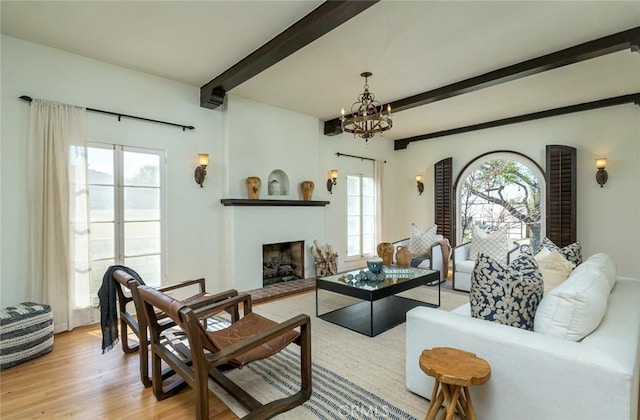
x=454, y=371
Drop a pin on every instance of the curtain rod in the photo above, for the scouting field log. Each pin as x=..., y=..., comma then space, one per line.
x=358, y=157
x=120, y=115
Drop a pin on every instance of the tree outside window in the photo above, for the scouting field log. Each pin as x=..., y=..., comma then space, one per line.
x=502, y=192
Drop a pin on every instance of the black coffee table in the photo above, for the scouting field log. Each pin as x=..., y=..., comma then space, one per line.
x=380, y=309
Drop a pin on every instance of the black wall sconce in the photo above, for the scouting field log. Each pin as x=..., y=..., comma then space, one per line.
x=419, y=184
x=201, y=171
x=333, y=180
x=601, y=175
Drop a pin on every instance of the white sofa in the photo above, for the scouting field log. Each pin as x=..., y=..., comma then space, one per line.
x=463, y=266
x=539, y=376
x=435, y=262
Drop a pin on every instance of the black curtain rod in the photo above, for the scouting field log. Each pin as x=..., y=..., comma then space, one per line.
x=120, y=115
x=358, y=157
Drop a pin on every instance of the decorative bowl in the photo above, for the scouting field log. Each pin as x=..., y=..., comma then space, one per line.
x=374, y=264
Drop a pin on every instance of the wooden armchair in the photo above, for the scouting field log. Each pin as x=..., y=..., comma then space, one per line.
x=127, y=288
x=245, y=340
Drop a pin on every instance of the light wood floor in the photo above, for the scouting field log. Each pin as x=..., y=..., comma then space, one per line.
x=77, y=381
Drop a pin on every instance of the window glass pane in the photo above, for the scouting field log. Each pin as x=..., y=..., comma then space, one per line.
x=98, y=268
x=148, y=267
x=353, y=246
x=367, y=225
x=353, y=225
x=141, y=238
x=368, y=206
x=367, y=244
x=141, y=169
x=100, y=166
x=101, y=203
x=353, y=206
x=353, y=185
x=368, y=187
x=141, y=203
x=102, y=240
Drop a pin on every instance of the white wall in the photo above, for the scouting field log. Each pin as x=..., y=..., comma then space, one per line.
x=608, y=218
x=193, y=214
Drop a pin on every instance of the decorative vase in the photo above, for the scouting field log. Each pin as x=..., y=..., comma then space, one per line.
x=374, y=264
x=307, y=190
x=385, y=251
x=253, y=187
x=274, y=187
x=403, y=257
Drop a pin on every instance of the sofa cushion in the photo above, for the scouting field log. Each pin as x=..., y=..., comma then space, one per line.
x=572, y=252
x=605, y=264
x=420, y=242
x=465, y=266
x=575, y=308
x=508, y=295
x=493, y=244
x=554, y=267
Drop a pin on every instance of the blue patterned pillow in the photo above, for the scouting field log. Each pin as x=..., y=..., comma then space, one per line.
x=571, y=252
x=508, y=295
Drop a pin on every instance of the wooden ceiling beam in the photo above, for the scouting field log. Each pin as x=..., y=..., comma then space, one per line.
x=401, y=144
x=326, y=17
x=629, y=39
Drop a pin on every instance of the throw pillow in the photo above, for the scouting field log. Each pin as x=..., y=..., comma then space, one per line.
x=554, y=268
x=493, y=244
x=572, y=252
x=507, y=295
x=420, y=242
x=575, y=308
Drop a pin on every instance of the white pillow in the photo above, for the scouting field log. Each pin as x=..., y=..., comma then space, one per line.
x=554, y=267
x=575, y=308
x=493, y=244
x=420, y=242
x=605, y=264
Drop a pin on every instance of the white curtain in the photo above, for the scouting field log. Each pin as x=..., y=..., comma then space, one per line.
x=59, y=216
x=381, y=217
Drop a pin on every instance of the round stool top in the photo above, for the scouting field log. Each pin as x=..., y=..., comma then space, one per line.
x=454, y=366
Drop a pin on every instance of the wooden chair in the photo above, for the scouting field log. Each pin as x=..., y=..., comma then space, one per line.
x=127, y=294
x=245, y=340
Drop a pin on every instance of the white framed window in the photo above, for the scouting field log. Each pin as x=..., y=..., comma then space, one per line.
x=126, y=208
x=361, y=213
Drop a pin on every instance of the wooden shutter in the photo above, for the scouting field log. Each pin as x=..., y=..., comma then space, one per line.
x=561, y=194
x=443, y=194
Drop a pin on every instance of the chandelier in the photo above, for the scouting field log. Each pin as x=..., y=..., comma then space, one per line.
x=367, y=117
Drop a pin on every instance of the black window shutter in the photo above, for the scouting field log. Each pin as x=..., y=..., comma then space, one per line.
x=443, y=194
x=561, y=194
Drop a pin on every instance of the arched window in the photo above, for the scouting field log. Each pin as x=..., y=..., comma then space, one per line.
x=501, y=188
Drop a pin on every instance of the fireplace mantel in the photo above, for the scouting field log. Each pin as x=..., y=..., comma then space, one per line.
x=248, y=202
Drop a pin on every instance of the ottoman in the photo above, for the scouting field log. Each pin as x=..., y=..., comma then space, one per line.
x=26, y=332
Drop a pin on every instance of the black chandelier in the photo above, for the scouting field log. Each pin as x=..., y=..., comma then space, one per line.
x=367, y=115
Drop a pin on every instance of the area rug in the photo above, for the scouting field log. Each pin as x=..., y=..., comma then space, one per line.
x=354, y=376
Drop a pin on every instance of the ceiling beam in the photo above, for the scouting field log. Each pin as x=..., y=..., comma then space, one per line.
x=326, y=17
x=629, y=39
x=401, y=144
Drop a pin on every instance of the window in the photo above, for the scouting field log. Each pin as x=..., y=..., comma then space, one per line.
x=125, y=211
x=502, y=188
x=360, y=215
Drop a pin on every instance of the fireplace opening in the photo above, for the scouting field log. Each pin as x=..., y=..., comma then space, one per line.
x=282, y=262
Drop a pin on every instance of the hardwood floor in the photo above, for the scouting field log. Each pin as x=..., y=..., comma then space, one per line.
x=76, y=380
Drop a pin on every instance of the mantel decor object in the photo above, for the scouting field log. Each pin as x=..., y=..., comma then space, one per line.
x=307, y=190
x=274, y=187
x=253, y=187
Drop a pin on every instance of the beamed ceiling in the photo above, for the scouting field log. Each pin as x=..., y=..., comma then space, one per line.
x=444, y=66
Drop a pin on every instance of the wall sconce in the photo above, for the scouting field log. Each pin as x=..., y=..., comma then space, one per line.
x=333, y=180
x=201, y=171
x=601, y=175
x=419, y=184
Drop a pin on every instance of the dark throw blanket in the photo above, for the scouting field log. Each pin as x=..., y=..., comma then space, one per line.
x=108, y=306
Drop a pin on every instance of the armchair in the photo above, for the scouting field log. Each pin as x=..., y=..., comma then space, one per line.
x=438, y=260
x=126, y=288
x=463, y=266
x=245, y=340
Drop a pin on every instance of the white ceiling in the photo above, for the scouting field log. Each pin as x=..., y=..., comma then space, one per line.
x=410, y=46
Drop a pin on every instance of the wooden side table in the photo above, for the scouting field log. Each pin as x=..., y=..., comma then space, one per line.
x=454, y=371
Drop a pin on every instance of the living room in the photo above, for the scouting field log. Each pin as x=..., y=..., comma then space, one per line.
x=247, y=137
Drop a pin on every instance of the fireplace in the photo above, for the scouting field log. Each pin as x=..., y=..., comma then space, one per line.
x=282, y=262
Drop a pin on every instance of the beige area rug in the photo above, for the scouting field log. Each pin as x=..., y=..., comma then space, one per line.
x=354, y=376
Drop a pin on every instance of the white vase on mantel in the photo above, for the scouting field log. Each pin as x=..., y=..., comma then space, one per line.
x=274, y=187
